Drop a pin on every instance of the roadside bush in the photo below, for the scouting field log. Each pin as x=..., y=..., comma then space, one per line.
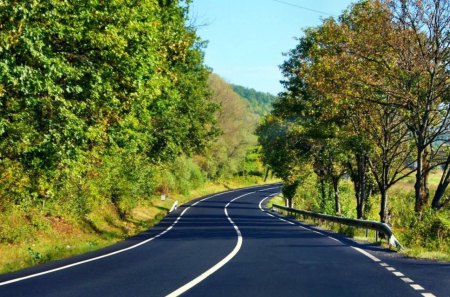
x=183, y=175
x=14, y=184
x=14, y=227
x=431, y=232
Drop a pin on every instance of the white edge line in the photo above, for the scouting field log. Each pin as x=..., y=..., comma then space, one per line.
x=261, y=202
x=335, y=239
x=366, y=254
x=109, y=254
x=118, y=251
x=396, y=273
x=220, y=264
x=269, y=189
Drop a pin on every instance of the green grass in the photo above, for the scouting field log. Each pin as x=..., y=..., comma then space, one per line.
x=38, y=238
x=427, y=237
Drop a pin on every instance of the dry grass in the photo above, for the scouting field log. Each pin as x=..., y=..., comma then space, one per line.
x=59, y=238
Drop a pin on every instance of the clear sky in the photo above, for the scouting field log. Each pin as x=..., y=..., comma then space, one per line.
x=247, y=37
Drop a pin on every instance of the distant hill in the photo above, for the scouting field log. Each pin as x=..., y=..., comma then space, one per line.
x=260, y=103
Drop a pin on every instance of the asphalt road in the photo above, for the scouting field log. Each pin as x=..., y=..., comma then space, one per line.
x=228, y=245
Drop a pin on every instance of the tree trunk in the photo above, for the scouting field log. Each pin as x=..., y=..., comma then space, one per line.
x=443, y=184
x=383, y=208
x=359, y=209
x=421, y=185
x=323, y=194
x=267, y=174
x=337, y=202
x=289, y=202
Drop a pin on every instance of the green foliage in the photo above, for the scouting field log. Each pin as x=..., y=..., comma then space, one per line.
x=182, y=176
x=431, y=232
x=259, y=103
x=105, y=77
x=227, y=155
x=35, y=256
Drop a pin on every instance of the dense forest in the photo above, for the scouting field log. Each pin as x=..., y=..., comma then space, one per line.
x=103, y=107
x=365, y=111
x=260, y=103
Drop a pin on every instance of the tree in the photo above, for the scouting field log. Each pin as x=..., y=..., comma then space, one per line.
x=237, y=124
x=406, y=59
x=371, y=114
x=108, y=77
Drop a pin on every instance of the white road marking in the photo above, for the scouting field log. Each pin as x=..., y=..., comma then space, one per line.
x=261, y=202
x=219, y=265
x=417, y=287
x=269, y=189
x=366, y=254
x=372, y=257
x=286, y=221
x=115, y=252
x=335, y=239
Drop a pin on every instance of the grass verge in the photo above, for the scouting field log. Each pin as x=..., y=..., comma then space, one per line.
x=440, y=252
x=40, y=238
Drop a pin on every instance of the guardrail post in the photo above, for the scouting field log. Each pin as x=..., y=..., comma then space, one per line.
x=367, y=232
x=376, y=236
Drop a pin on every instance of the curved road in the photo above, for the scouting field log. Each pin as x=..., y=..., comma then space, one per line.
x=228, y=245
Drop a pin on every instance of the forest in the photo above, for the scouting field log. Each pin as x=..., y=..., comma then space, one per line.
x=104, y=107
x=362, y=126
x=259, y=102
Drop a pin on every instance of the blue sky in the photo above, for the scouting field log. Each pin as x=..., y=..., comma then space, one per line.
x=247, y=37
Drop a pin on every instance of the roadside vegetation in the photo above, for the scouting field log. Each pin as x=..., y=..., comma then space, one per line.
x=259, y=103
x=362, y=126
x=104, y=107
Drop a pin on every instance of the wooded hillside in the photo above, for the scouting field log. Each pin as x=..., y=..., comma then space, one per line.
x=260, y=103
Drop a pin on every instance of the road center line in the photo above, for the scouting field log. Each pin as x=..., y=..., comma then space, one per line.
x=118, y=251
x=219, y=265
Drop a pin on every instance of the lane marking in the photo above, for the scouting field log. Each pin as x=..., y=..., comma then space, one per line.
x=219, y=265
x=335, y=239
x=269, y=189
x=417, y=287
x=283, y=220
x=261, y=202
x=372, y=257
x=118, y=251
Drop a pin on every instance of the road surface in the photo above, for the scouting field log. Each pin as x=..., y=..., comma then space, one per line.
x=228, y=245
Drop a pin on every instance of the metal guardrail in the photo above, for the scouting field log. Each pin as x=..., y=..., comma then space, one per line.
x=364, y=224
